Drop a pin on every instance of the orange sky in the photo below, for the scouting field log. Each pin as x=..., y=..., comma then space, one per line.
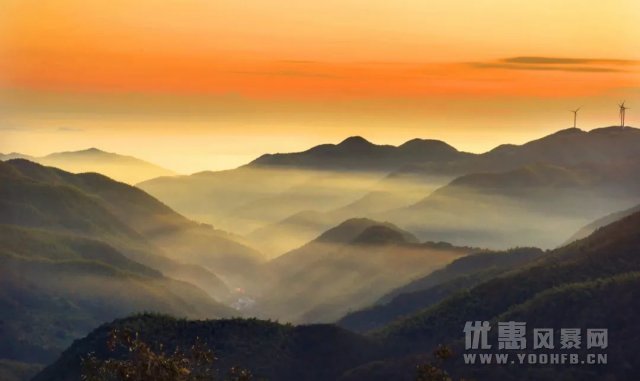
x=228, y=80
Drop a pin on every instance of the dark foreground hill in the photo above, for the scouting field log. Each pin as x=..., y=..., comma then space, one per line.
x=277, y=352
x=591, y=283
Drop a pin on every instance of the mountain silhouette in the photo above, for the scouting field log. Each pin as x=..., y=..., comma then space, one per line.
x=350, y=265
x=567, y=147
x=600, y=222
x=357, y=178
x=573, y=281
x=14, y=155
x=277, y=351
x=503, y=209
x=429, y=290
x=117, y=211
x=56, y=287
x=128, y=169
x=384, y=235
x=567, y=287
x=357, y=153
x=107, y=250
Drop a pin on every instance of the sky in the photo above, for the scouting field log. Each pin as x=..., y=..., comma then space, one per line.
x=195, y=85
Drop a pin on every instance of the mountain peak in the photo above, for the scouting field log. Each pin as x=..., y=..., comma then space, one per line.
x=346, y=231
x=88, y=151
x=355, y=141
x=384, y=235
x=570, y=130
x=426, y=144
x=92, y=151
x=614, y=130
x=365, y=230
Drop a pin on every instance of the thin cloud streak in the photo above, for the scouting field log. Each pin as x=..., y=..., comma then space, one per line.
x=567, y=64
x=586, y=69
x=567, y=61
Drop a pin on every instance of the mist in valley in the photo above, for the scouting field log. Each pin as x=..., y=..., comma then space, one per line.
x=289, y=240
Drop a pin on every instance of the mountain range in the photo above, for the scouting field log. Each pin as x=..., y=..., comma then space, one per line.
x=506, y=209
x=358, y=154
x=81, y=249
x=396, y=246
x=600, y=222
x=123, y=168
x=567, y=287
x=421, y=293
x=503, y=194
x=347, y=267
x=565, y=147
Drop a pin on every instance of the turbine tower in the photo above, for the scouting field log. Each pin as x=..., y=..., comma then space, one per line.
x=575, y=115
x=623, y=108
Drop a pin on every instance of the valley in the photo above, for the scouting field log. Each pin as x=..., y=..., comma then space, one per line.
x=376, y=246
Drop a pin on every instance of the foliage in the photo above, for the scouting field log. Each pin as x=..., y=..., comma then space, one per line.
x=434, y=370
x=145, y=363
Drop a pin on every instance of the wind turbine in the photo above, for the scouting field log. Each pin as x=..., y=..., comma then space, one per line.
x=623, y=108
x=575, y=115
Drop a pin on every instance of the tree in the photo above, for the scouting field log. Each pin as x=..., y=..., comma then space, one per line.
x=141, y=362
x=434, y=370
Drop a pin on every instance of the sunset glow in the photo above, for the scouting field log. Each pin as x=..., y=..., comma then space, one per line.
x=247, y=78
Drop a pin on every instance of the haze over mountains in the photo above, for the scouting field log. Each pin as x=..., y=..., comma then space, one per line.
x=282, y=201
x=345, y=268
x=568, y=287
x=78, y=250
x=389, y=242
x=421, y=293
x=127, y=169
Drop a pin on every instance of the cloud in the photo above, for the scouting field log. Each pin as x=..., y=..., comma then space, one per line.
x=568, y=61
x=588, y=69
x=588, y=65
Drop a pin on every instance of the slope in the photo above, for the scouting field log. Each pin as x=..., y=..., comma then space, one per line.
x=126, y=217
x=505, y=209
x=56, y=287
x=345, y=268
x=461, y=274
x=277, y=352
